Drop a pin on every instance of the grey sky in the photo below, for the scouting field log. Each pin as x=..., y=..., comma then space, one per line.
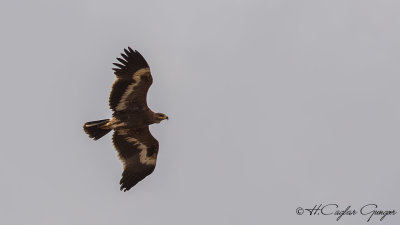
x=273, y=105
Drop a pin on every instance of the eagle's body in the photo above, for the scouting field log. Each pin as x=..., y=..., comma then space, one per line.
x=136, y=147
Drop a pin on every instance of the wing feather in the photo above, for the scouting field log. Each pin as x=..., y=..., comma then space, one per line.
x=129, y=91
x=137, y=149
x=118, y=89
x=122, y=61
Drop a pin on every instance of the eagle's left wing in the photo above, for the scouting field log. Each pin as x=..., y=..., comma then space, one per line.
x=138, y=151
x=134, y=79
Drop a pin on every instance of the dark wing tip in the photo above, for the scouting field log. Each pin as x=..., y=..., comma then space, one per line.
x=122, y=61
x=125, y=188
x=130, y=62
x=124, y=56
x=127, y=183
x=133, y=174
x=118, y=65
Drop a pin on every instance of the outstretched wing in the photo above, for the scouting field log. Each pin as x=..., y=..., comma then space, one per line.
x=138, y=151
x=129, y=90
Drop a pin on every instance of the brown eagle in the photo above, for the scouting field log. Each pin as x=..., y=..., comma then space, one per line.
x=136, y=147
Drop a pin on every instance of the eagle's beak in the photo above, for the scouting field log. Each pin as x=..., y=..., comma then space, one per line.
x=166, y=117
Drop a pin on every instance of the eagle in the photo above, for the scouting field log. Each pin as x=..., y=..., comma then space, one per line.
x=136, y=147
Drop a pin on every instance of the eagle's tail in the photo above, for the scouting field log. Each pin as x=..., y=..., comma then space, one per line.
x=96, y=129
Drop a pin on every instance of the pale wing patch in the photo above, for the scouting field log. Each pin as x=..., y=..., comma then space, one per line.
x=143, y=158
x=140, y=72
x=94, y=124
x=123, y=102
x=123, y=132
x=148, y=160
x=122, y=105
x=115, y=123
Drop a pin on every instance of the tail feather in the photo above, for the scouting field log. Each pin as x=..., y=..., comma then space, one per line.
x=95, y=129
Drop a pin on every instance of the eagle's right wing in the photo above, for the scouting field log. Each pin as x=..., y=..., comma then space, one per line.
x=138, y=151
x=134, y=79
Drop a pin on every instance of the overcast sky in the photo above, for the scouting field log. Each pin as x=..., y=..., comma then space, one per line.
x=273, y=105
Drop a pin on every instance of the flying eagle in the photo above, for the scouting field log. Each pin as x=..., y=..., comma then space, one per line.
x=136, y=147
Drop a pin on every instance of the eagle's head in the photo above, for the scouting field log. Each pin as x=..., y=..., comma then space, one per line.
x=160, y=117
